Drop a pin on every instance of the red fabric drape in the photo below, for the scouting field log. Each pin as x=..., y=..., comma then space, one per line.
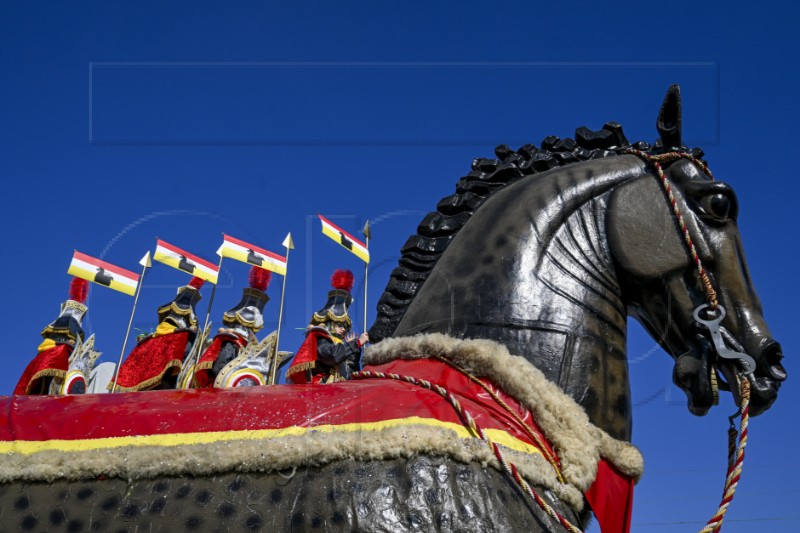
x=150, y=360
x=202, y=374
x=305, y=359
x=49, y=363
x=611, y=499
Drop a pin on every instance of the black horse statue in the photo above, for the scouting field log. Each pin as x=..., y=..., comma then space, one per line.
x=542, y=252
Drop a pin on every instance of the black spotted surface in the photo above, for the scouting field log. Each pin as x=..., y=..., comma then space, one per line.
x=419, y=494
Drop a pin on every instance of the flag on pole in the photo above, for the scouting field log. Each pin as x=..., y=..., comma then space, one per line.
x=252, y=254
x=345, y=239
x=182, y=260
x=97, y=271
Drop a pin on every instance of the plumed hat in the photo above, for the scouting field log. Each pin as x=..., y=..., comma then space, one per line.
x=247, y=314
x=67, y=327
x=180, y=312
x=339, y=299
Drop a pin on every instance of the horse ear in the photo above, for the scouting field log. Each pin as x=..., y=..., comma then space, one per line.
x=669, y=118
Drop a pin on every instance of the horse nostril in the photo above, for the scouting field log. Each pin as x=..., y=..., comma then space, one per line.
x=771, y=356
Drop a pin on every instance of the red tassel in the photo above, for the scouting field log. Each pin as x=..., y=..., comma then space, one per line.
x=197, y=282
x=78, y=290
x=259, y=278
x=342, y=279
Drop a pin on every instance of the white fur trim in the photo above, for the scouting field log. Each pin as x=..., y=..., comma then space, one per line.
x=578, y=443
x=310, y=449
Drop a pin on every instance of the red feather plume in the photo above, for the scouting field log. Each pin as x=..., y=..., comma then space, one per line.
x=342, y=279
x=78, y=290
x=197, y=282
x=259, y=278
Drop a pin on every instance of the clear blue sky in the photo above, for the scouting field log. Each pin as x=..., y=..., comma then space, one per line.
x=121, y=123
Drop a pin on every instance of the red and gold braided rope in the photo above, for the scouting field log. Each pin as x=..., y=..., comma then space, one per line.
x=470, y=423
x=735, y=465
x=532, y=434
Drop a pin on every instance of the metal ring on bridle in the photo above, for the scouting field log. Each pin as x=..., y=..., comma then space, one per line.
x=700, y=309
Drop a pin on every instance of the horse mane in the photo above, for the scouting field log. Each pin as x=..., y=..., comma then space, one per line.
x=435, y=232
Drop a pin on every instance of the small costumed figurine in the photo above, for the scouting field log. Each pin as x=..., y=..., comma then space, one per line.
x=241, y=323
x=60, y=337
x=330, y=346
x=157, y=358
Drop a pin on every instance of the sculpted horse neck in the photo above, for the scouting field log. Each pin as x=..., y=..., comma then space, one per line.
x=532, y=270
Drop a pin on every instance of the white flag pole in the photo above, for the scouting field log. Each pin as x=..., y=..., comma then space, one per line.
x=146, y=263
x=367, y=235
x=273, y=369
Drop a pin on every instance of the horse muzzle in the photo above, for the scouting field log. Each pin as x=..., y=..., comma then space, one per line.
x=767, y=378
x=765, y=381
x=698, y=371
x=731, y=358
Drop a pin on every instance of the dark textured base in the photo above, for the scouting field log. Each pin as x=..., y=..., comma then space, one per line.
x=420, y=494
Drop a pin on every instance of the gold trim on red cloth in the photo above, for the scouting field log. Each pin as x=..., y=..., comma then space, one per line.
x=147, y=364
x=52, y=362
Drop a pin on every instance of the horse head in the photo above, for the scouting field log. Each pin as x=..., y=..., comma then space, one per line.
x=548, y=250
x=660, y=277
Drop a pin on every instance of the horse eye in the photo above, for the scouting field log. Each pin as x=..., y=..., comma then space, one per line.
x=717, y=206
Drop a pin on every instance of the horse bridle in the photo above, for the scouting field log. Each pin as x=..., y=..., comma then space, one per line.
x=713, y=310
x=714, y=313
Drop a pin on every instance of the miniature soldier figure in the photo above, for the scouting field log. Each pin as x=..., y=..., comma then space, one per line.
x=60, y=337
x=240, y=326
x=157, y=358
x=330, y=348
